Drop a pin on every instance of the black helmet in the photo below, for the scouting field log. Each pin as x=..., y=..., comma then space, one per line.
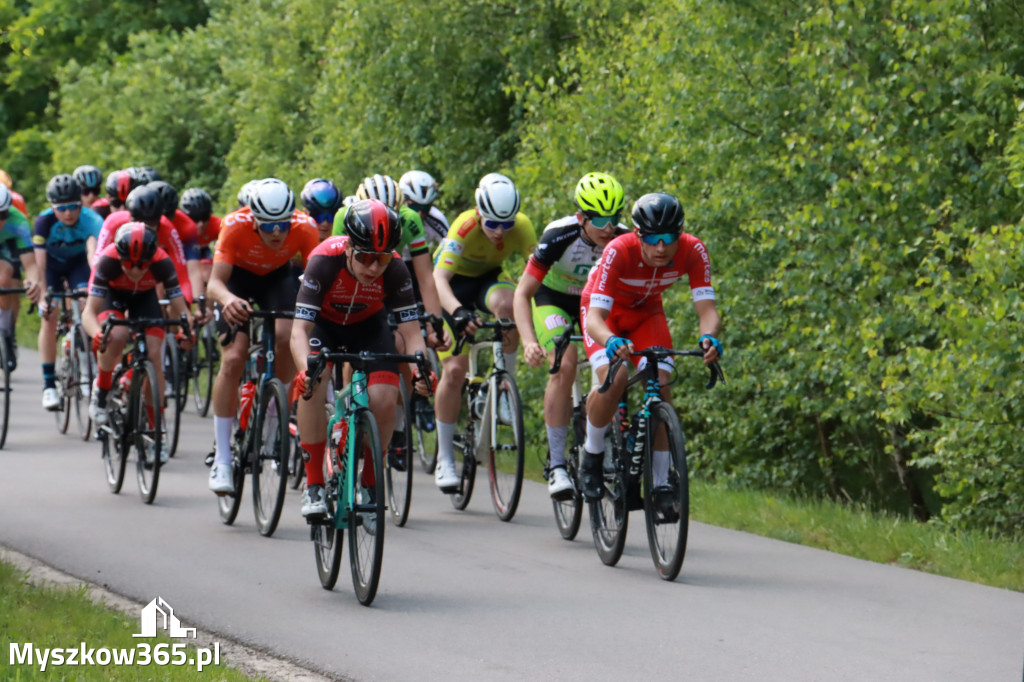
x=372, y=227
x=135, y=243
x=88, y=176
x=320, y=196
x=145, y=205
x=150, y=173
x=63, y=189
x=168, y=197
x=196, y=204
x=658, y=213
x=139, y=176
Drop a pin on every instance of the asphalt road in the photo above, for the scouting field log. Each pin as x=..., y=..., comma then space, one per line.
x=466, y=597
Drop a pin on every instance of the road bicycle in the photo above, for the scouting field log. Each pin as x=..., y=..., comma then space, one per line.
x=569, y=512
x=633, y=479
x=424, y=421
x=75, y=366
x=176, y=364
x=354, y=485
x=261, y=443
x=135, y=424
x=5, y=394
x=491, y=427
x=204, y=362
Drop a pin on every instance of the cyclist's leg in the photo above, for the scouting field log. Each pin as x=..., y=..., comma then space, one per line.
x=497, y=300
x=106, y=360
x=654, y=331
x=10, y=278
x=229, y=375
x=550, y=321
x=55, y=272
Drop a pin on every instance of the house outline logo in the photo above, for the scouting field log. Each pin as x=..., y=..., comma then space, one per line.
x=150, y=617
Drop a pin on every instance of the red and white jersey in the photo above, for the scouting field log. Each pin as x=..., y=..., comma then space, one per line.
x=166, y=237
x=621, y=278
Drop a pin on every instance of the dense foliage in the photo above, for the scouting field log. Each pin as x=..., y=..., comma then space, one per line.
x=855, y=169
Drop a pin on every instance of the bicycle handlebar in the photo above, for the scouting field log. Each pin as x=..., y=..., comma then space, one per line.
x=258, y=314
x=655, y=353
x=561, y=345
x=316, y=363
x=137, y=323
x=500, y=325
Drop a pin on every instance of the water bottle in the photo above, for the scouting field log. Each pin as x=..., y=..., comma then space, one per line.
x=247, y=392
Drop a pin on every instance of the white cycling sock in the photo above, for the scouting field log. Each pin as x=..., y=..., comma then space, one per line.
x=661, y=461
x=222, y=428
x=445, y=442
x=557, y=436
x=595, y=438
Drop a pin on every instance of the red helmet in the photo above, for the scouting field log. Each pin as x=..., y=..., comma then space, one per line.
x=372, y=227
x=135, y=243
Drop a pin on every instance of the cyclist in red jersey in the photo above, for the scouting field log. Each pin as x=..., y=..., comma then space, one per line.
x=621, y=308
x=124, y=284
x=197, y=205
x=187, y=233
x=17, y=200
x=347, y=289
x=253, y=261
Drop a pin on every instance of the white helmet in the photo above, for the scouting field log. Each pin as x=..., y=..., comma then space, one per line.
x=5, y=198
x=243, y=193
x=383, y=188
x=497, y=197
x=419, y=187
x=271, y=200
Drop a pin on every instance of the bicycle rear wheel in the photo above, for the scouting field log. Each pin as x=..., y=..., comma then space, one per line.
x=272, y=445
x=147, y=429
x=609, y=517
x=425, y=431
x=399, y=465
x=569, y=513
x=172, y=378
x=327, y=539
x=507, y=447
x=65, y=385
x=85, y=372
x=366, y=518
x=229, y=504
x=206, y=356
x=666, y=493
x=5, y=394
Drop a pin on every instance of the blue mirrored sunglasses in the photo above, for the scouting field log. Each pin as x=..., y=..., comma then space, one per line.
x=663, y=238
x=68, y=207
x=499, y=224
x=269, y=228
x=601, y=222
x=323, y=218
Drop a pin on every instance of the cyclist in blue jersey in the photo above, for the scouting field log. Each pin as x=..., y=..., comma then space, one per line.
x=16, y=259
x=64, y=238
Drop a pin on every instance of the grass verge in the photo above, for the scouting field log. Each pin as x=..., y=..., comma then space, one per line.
x=61, y=617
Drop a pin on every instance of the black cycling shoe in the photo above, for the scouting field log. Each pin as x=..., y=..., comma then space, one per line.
x=666, y=504
x=396, y=458
x=592, y=476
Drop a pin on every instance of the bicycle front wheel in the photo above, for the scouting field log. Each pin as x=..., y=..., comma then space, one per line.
x=569, y=513
x=272, y=445
x=366, y=518
x=399, y=464
x=206, y=357
x=65, y=381
x=172, y=406
x=85, y=372
x=147, y=429
x=666, y=492
x=609, y=517
x=507, y=447
x=229, y=504
x=327, y=539
x=5, y=396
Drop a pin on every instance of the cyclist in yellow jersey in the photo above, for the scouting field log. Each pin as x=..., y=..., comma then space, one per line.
x=469, y=274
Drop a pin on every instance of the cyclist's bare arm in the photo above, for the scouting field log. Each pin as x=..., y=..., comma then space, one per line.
x=234, y=309
x=710, y=324
x=527, y=288
x=32, y=281
x=423, y=270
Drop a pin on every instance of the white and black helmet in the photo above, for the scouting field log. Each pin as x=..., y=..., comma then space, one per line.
x=5, y=198
x=419, y=187
x=383, y=188
x=244, y=192
x=497, y=197
x=270, y=200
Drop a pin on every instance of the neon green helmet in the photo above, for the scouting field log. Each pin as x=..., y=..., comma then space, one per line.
x=599, y=194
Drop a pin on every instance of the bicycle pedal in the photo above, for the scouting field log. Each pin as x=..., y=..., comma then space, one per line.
x=210, y=457
x=450, y=490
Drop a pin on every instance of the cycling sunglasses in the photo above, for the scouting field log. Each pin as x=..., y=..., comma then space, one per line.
x=602, y=222
x=270, y=227
x=91, y=190
x=663, y=238
x=323, y=218
x=137, y=264
x=420, y=208
x=499, y=224
x=68, y=207
x=367, y=258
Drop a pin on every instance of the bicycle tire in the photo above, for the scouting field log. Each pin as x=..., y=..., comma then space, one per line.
x=206, y=360
x=228, y=505
x=115, y=449
x=147, y=432
x=172, y=407
x=609, y=517
x=271, y=442
x=505, y=460
x=367, y=516
x=465, y=464
x=399, y=478
x=426, y=438
x=6, y=396
x=667, y=532
x=296, y=465
x=62, y=370
x=327, y=541
x=86, y=373
x=569, y=513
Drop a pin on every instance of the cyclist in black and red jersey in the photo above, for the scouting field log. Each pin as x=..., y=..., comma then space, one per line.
x=197, y=205
x=124, y=285
x=90, y=179
x=347, y=289
x=621, y=308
